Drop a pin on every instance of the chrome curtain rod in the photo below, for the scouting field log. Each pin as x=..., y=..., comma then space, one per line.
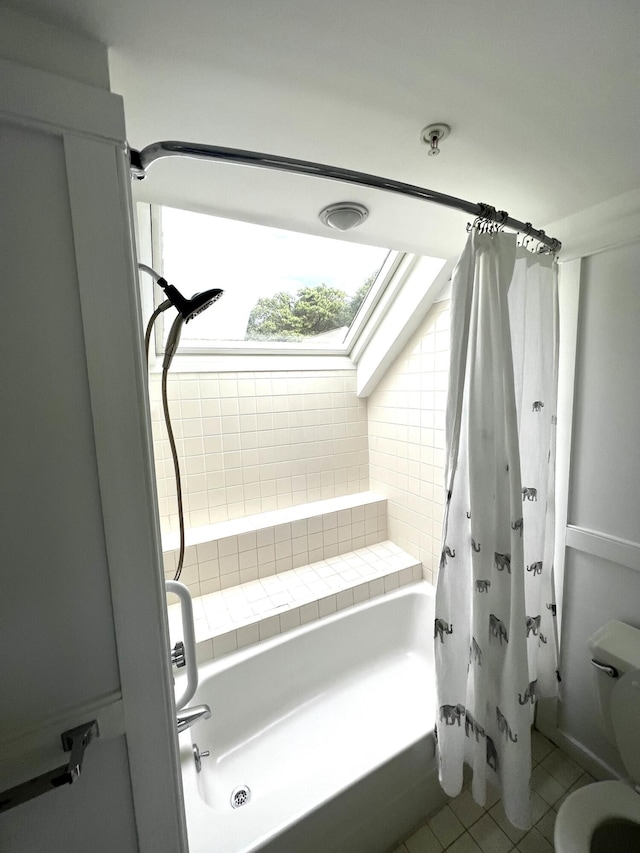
x=141, y=160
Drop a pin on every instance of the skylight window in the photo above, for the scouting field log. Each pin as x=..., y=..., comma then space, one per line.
x=281, y=288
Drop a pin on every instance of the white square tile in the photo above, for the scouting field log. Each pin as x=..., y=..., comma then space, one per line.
x=265, y=537
x=562, y=768
x=229, y=565
x=290, y=619
x=299, y=528
x=280, y=599
x=376, y=587
x=210, y=585
x=227, y=546
x=327, y=605
x=344, y=599
x=446, y=826
x=266, y=570
x=464, y=844
x=534, y=842
x=497, y=813
x=248, y=559
x=204, y=651
x=584, y=779
x=269, y=627
x=539, y=807
x=360, y=593
x=247, y=542
x=207, y=551
x=318, y=587
x=546, y=786
x=540, y=746
x=330, y=521
x=423, y=841
x=350, y=575
x=282, y=533
x=266, y=554
x=283, y=549
x=309, y=612
x=274, y=584
x=466, y=809
x=314, y=524
x=261, y=606
x=489, y=837
x=225, y=643
x=391, y=582
x=299, y=545
x=247, y=635
x=546, y=825
x=254, y=591
x=249, y=574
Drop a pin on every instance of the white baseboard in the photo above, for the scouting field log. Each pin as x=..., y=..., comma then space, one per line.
x=576, y=751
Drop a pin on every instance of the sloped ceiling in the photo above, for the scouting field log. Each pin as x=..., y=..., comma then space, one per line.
x=542, y=99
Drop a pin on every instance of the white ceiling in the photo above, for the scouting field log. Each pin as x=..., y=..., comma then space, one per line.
x=542, y=99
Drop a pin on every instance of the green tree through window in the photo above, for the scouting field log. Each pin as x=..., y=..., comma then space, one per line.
x=311, y=311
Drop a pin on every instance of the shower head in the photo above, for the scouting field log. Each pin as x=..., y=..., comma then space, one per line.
x=187, y=310
x=190, y=308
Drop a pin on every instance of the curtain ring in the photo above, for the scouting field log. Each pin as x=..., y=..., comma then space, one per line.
x=542, y=247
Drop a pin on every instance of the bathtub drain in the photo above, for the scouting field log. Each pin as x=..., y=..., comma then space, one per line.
x=240, y=796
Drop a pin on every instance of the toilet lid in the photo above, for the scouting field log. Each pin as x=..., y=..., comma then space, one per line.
x=625, y=716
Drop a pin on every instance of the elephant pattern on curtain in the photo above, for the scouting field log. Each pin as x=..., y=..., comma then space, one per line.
x=494, y=634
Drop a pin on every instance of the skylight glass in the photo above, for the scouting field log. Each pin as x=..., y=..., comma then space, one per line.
x=279, y=286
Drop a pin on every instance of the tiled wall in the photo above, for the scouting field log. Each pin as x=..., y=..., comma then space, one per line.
x=406, y=416
x=228, y=559
x=238, y=617
x=254, y=442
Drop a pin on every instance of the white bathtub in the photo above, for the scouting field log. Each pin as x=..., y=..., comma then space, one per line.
x=330, y=726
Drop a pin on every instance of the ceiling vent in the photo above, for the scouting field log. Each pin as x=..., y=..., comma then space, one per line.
x=344, y=215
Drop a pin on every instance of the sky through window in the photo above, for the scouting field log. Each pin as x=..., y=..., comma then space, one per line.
x=253, y=262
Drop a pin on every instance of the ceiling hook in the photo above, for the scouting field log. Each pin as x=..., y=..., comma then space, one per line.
x=432, y=135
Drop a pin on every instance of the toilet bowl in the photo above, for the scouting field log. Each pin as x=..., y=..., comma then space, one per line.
x=605, y=817
x=599, y=818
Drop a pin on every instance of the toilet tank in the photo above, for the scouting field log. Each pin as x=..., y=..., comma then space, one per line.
x=614, y=650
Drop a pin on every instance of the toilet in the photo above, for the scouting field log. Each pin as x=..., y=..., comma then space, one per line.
x=605, y=816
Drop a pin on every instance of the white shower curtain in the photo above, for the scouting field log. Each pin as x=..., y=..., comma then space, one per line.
x=495, y=639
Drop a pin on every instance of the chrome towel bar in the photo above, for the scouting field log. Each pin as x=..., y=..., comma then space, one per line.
x=74, y=741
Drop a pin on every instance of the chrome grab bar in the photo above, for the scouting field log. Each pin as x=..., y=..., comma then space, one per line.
x=611, y=671
x=189, y=639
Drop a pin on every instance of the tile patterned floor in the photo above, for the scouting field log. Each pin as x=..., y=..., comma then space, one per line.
x=462, y=826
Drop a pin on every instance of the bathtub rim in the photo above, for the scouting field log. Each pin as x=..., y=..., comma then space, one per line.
x=233, y=658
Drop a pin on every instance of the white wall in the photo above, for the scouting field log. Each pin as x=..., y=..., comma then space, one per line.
x=602, y=570
x=38, y=45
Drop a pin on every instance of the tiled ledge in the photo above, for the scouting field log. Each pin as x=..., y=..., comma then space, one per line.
x=262, y=520
x=239, y=616
x=231, y=553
